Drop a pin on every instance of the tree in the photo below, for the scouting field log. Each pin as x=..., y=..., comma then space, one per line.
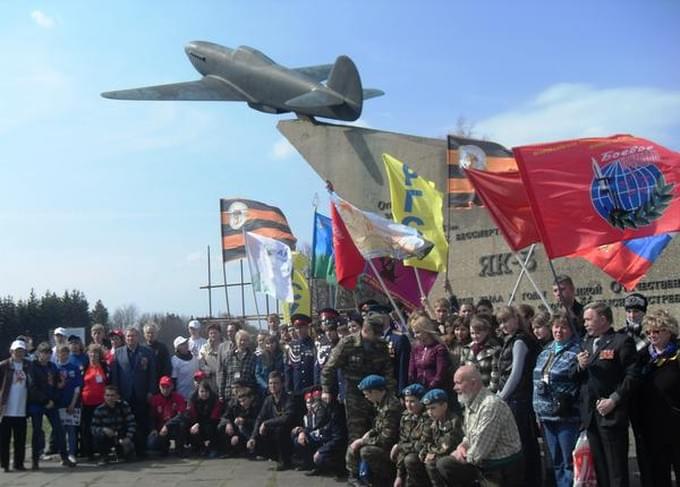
x=125, y=316
x=99, y=313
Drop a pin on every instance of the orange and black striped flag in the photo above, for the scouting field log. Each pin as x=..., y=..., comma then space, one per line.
x=239, y=215
x=476, y=154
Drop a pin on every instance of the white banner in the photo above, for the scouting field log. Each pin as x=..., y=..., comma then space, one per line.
x=271, y=265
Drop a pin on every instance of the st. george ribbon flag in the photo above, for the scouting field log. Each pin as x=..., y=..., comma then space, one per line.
x=376, y=236
x=590, y=192
x=416, y=202
x=271, y=266
x=323, y=258
x=238, y=214
x=504, y=196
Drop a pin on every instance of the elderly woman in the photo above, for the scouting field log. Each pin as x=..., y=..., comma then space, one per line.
x=430, y=364
x=555, y=397
x=484, y=348
x=513, y=375
x=238, y=364
x=660, y=390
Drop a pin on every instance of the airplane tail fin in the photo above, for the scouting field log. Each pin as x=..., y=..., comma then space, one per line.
x=344, y=80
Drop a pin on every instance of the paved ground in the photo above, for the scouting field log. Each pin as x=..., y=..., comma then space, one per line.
x=164, y=473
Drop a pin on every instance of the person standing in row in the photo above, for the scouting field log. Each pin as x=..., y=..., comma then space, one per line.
x=15, y=380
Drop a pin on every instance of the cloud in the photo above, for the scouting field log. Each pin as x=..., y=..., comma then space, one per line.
x=42, y=19
x=282, y=149
x=566, y=110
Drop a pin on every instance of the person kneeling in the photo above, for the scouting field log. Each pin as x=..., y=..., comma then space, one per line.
x=113, y=427
x=238, y=421
x=322, y=438
x=441, y=435
x=166, y=415
x=375, y=445
x=203, y=412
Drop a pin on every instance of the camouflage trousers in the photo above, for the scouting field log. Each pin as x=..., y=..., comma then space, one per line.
x=416, y=476
x=359, y=414
x=380, y=466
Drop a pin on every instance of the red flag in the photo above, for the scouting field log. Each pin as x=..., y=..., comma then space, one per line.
x=504, y=196
x=349, y=264
x=590, y=192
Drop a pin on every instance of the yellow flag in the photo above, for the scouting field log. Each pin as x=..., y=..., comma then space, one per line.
x=416, y=202
x=302, y=302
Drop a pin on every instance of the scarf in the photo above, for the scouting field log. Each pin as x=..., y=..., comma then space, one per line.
x=658, y=358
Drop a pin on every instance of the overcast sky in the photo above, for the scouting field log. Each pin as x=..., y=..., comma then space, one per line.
x=120, y=199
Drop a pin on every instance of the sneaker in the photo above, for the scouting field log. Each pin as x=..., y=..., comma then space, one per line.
x=68, y=463
x=45, y=457
x=72, y=459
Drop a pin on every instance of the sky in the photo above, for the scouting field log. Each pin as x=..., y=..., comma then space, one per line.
x=121, y=199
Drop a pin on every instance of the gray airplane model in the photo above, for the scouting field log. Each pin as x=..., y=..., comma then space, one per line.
x=245, y=74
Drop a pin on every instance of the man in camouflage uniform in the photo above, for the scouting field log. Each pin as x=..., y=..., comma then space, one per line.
x=442, y=434
x=411, y=428
x=374, y=446
x=357, y=356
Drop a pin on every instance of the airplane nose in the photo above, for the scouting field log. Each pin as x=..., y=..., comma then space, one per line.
x=190, y=47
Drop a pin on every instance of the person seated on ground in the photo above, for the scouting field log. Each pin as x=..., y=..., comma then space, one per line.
x=321, y=440
x=442, y=433
x=113, y=426
x=200, y=420
x=410, y=430
x=375, y=445
x=238, y=421
x=272, y=427
x=167, y=408
x=491, y=449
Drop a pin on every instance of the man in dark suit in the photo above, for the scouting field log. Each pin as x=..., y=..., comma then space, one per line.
x=134, y=372
x=608, y=369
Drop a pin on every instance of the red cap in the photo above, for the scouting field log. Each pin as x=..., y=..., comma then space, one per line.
x=199, y=375
x=165, y=381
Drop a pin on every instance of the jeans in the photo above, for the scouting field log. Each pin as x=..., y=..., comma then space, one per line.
x=561, y=439
x=71, y=433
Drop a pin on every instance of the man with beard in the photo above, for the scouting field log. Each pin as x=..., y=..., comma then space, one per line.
x=491, y=447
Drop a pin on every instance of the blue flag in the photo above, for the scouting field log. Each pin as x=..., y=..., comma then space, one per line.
x=323, y=260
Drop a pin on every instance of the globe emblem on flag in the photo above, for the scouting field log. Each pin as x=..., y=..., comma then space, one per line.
x=629, y=196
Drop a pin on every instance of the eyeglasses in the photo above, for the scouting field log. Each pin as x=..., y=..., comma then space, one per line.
x=655, y=331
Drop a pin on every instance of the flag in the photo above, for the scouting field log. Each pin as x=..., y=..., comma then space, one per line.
x=323, y=261
x=504, y=196
x=239, y=214
x=400, y=281
x=416, y=202
x=476, y=154
x=271, y=266
x=302, y=302
x=590, y=192
x=628, y=262
x=349, y=264
x=376, y=236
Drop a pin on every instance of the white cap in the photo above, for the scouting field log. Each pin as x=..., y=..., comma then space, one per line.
x=195, y=324
x=60, y=331
x=178, y=341
x=17, y=344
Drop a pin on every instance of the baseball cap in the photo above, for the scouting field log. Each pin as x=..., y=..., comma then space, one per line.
x=194, y=324
x=16, y=344
x=178, y=341
x=60, y=331
x=165, y=381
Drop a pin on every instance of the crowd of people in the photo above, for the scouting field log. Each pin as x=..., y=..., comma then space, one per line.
x=454, y=396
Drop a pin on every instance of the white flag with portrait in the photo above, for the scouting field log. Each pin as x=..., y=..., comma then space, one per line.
x=271, y=265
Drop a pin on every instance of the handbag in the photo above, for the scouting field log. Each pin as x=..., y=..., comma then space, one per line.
x=584, y=468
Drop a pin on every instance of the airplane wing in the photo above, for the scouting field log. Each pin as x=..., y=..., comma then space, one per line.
x=372, y=93
x=205, y=89
x=317, y=73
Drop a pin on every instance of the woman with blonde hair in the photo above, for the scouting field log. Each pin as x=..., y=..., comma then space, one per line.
x=429, y=364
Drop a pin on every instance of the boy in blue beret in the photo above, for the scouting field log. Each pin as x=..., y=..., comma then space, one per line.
x=405, y=452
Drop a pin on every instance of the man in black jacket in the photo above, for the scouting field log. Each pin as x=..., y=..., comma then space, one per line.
x=273, y=424
x=608, y=369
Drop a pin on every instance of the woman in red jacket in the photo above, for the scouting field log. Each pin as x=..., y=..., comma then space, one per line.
x=95, y=379
x=430, y=363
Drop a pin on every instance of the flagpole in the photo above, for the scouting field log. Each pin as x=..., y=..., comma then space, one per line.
x=252, y=284
x=226, y=287
x=209, y=287
x=420, y=284
x=389, y=296
x=525, y=271
x=310, y=279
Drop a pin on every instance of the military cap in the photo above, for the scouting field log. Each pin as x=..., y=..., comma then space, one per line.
x=435, y=395
x=413, y=390
x=635, y=301
x=312, y=393
x=371, y=382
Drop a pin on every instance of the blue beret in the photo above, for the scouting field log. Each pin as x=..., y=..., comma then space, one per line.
x=413, y=390
x=435, y=395
x=372, y=382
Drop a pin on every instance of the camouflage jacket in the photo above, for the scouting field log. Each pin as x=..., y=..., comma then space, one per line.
x=441, y=437
x=357, y=359
x=385, y=430
x=410, y=432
